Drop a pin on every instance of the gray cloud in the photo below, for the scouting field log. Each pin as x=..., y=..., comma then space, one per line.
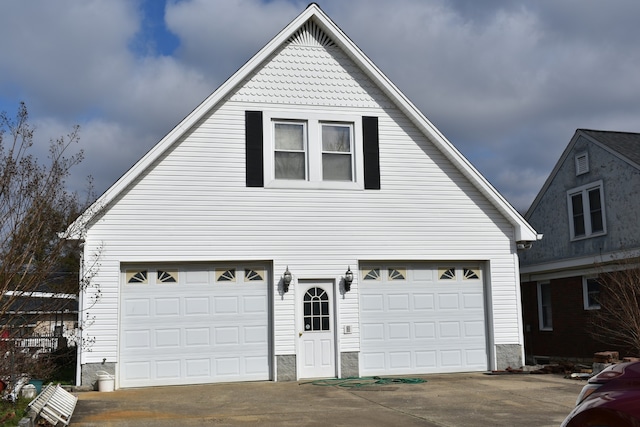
x=507, y=82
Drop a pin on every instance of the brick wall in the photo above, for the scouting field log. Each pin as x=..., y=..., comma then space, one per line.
x=570, y=336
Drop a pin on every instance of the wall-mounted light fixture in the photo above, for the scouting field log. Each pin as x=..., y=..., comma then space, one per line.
x=348, y=278
x=286, y=280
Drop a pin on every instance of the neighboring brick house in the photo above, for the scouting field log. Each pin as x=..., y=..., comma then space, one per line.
x=588, y=211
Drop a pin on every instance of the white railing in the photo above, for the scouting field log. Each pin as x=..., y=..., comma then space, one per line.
x=39, y=344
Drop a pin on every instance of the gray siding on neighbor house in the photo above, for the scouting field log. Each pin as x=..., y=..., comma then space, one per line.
x=621, y=187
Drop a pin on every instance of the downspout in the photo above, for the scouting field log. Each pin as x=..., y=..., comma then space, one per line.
x=80, y=326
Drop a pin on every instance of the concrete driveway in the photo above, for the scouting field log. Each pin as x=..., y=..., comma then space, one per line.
x=473, y=399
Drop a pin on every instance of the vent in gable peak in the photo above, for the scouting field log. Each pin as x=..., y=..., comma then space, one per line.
x=309, y=34
x=582, y=163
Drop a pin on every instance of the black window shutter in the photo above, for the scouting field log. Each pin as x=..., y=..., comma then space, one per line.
x=253, y=147
x=371, y=153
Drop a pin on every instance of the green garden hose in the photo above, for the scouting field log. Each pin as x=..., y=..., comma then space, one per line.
x=355, y=382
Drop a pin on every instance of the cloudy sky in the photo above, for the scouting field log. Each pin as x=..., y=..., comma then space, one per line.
x=507, y=82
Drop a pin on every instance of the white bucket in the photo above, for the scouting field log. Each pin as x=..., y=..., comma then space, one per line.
x=28, y=391
x=106, y=381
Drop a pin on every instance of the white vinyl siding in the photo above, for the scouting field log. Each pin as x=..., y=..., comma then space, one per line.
x=193, y=205
x=419, y=214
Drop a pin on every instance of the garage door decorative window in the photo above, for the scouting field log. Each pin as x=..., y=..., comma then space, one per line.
x=137, y=277
x=447, y=273
x=226, y=275
x=167, y=276
x=397, y=274
x=373, y=274
x=316, y=310
x=470, y=274
x=253, y=275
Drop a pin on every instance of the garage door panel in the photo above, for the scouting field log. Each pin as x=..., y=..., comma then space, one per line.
x=399, y=331
x=197, y=337
x=372, y=332
x=449, y=330
x=424, y=330
x=474, y=329
x=398, y=302
x=422, y=324
x=198, y=367
x=167, y=307
x=424, y=302
x=193, y=332
x=426, y=359
x=255, y=304
x=451, y=358
x=137, y=307
x=256, y=335
x=372, y=303
x=137, y=339
x=168, y=369
x=226, y=305
x=167, y=338
x=400, y=360
x=198, y=306
x=448, y=302
x=473, y=301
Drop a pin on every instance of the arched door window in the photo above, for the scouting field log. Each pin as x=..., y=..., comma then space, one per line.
x=316, y=310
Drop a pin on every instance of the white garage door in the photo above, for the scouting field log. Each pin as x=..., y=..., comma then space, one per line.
x=193, y=325
x=422, y=318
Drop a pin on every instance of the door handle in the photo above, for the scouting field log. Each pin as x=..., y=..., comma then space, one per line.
x=299, y=334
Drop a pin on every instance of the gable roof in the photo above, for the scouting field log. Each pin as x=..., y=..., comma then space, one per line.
x=624, y=145
x=524, y=231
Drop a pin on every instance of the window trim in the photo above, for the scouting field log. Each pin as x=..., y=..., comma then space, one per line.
x=585, y=293
x=586, y=208
x=314, y=121
x=541, y=325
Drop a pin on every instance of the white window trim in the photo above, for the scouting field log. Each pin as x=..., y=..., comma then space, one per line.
x=314, y=149
x=584, y=189
x=541, y=325
x=585, y=294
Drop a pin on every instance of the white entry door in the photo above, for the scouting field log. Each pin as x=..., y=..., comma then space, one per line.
x=316, y=349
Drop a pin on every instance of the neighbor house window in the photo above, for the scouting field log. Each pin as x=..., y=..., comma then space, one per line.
x=591, y=293
x=544, y=307
x=586, y=211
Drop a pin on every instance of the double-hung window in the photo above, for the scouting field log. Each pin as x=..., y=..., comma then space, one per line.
x=545, y=316
x=591, y=293
x=313, y=150
x=337, y=151
x=290, y=151
x=586, y=211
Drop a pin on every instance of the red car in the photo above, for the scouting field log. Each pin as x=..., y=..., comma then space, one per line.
x=610, y=398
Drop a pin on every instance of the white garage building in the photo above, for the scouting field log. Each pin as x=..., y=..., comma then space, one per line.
x=306, y=164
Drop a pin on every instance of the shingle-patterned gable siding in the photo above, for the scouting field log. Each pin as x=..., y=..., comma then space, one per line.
x=311, y=75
